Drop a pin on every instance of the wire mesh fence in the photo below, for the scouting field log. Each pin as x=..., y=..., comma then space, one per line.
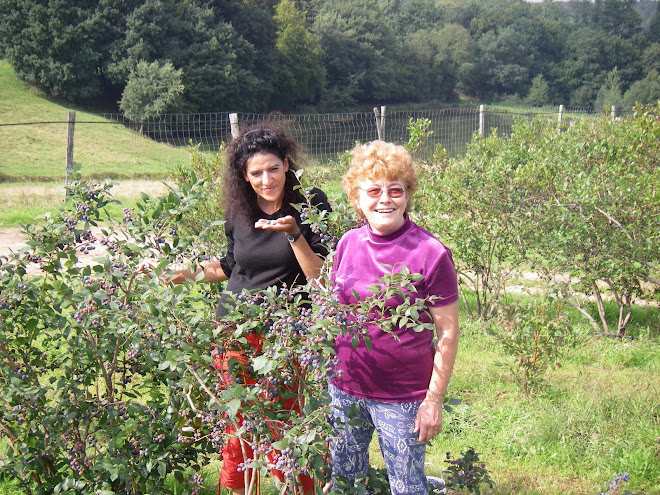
x=326, y=135
x=323, y=135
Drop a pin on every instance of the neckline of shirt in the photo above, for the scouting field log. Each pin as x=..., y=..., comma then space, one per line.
x=391, y=236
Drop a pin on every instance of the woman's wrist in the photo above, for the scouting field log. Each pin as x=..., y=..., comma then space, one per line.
x=430, y=393
x=293, y=237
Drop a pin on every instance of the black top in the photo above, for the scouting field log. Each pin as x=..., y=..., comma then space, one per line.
x=258, y=258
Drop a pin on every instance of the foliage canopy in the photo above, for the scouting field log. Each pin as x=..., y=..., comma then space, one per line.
x=259, y=56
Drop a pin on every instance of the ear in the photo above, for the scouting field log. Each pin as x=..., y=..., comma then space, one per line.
x=358, y=210
x=286, y=164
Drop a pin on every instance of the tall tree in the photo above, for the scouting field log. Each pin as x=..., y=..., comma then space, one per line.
x=458, y=46
x=254, y=21
x=651, y=58
x=218, y=65
x=646, y=91
x=152, y=90
x=435, y=61
x=409, y=16
x=424, y=71
x=653, y=33
x=359, y=45
x=589, y=56
x=63, y=46
x=300, y=75
x=504, y=69
x=516, y=42
x=539, y=93
x=610, y=95
x=617, y=17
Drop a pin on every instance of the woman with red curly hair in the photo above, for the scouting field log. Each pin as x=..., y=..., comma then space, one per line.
x=398, y=382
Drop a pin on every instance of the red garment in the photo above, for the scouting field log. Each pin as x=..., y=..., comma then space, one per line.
x=232, y=456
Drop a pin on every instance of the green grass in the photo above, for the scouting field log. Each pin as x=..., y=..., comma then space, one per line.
x=103, y=149
x=597, y=415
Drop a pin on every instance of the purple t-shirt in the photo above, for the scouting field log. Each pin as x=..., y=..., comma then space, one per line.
x=393, y=370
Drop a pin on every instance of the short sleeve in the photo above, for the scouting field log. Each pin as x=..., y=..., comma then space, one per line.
x=227, y=262
x=442, y=280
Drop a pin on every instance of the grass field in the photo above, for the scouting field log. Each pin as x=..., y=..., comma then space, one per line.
x=32, y=156
x=33, y=136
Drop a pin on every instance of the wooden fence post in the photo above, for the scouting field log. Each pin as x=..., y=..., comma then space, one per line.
x=481, y=120
x=378, y=130
x=613, y=112
x=71, y=127
x=561, y=112
x=382, y=120
x=233, y=122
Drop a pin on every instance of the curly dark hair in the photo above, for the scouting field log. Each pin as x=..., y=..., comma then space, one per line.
x=240, y=199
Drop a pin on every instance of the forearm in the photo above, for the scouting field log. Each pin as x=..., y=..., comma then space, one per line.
x=212, y=272
x=310, y=262
x=443, y=366
x=446, y=320
x=429, y=416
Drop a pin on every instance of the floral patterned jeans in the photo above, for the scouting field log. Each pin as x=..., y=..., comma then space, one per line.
x=394, y=423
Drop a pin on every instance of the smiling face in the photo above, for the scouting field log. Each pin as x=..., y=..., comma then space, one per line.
x=384, y=211
x=266, y=173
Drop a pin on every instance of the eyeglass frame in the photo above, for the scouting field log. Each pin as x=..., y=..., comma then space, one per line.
x=381, y=189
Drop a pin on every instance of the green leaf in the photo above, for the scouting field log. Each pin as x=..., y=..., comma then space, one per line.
x=282, y=444
x=233, y=407
x=263, y=364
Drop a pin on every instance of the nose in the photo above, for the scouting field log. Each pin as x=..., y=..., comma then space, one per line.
x=386, y=193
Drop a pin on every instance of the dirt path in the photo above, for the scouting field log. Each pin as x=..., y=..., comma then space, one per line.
x=12, y=240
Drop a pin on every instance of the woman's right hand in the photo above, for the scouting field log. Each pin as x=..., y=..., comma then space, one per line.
x=146, y=265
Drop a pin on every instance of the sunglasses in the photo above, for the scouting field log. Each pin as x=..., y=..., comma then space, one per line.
x=392, y=192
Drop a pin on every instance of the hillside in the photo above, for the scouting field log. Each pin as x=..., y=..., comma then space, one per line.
x=33, y=134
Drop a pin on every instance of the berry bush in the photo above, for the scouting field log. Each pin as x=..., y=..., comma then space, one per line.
x=112, y=380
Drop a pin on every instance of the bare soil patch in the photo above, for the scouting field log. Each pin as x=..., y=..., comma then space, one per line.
x=13, y=240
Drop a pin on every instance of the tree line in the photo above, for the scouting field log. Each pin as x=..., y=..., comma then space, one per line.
x=162, y=56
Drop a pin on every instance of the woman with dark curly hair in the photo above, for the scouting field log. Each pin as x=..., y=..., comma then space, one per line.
x=267, y=245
